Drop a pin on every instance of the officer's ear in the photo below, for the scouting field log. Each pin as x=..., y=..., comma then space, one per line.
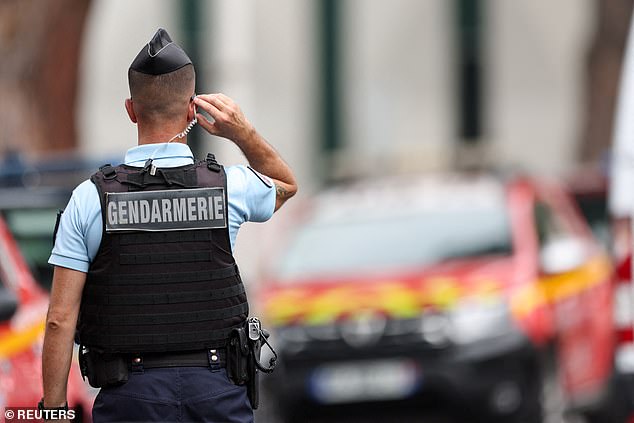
x=191, y=109
x=129, y=107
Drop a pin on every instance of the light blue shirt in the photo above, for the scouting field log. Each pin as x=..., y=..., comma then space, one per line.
x=79, y=234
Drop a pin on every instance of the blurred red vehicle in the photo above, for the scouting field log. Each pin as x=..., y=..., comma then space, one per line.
x=23, y=306
x=493, y=298
x=589, y=186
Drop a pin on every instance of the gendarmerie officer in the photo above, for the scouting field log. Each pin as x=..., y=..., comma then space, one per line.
x=143, y=259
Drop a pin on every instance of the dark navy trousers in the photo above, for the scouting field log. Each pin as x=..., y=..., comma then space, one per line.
x=178, y=394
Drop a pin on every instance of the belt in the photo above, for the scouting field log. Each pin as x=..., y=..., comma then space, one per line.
x=180, y=359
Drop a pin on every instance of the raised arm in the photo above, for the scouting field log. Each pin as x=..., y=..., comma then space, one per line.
x=229, y=122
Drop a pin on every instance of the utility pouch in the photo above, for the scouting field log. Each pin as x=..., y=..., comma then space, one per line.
x=243, y=358
x=102, y=370
x=237, y=356
x=255, y=347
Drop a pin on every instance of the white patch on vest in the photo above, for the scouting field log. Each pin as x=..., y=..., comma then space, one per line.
x=123, y=214
x=133, y=212
x=156, y=212
x=166, y=210
x=191, y=209
x=179, y=210
x=201, y=204
x=144, y=207
x=112, y=213
x=218, y=202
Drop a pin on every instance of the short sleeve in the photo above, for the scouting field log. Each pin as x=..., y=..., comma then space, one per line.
x=79, y=233
x=250, y=193
x=70, y=248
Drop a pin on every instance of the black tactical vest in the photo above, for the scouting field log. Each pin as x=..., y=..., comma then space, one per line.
x=164, y=278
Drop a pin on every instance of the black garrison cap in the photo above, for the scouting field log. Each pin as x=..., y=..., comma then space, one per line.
x=161, y=55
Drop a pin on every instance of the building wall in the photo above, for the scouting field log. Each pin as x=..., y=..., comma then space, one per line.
x=397, y=79
x=537, y=61
x=115, y=32
x=400, y=93
x=397, y=83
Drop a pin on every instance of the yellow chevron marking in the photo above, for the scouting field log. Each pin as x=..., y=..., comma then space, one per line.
x=402, y=301
x=13, y=342
x=558, y=287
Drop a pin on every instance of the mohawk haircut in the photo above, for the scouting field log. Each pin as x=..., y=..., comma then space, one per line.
x=160, y=97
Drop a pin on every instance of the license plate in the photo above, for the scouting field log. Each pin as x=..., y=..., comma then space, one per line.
x=379, y=380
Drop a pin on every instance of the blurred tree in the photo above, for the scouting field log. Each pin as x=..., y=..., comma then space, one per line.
x=604, y=69
x=40, y=47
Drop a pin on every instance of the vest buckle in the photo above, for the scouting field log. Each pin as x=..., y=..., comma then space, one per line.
x=212, y=164
x=108, y=171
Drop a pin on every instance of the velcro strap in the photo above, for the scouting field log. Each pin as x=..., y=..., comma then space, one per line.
x=164, y=319
x=182, y=178
x=159, y=341
x=163, y=278
x=165, y=258
x=94, y=294
x=164, y=237
x=135, y=179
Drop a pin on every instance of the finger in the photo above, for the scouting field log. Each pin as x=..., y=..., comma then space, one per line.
x=225, y=99
x=207, y=107
x=205, y=97
x=213, y=99
x=206, y=124
x=220, y=105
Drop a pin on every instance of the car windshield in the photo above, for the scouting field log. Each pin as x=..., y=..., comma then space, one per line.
x=363, y=245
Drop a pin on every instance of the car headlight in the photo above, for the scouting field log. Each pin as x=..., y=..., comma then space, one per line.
x=436, y=329
x=477, y=320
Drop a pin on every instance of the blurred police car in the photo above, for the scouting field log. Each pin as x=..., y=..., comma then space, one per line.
x=492, y=298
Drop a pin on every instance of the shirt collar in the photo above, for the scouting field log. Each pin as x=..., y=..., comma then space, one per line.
x=137, y=156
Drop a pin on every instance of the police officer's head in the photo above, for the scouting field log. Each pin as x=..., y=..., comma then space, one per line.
x=162, y=82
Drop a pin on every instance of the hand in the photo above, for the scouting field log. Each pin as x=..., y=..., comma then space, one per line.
x=228, y=120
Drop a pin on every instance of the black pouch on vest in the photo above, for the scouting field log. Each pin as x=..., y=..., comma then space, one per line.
x=102, y=370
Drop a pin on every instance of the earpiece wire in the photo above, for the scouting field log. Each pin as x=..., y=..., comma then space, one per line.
x=183, y=134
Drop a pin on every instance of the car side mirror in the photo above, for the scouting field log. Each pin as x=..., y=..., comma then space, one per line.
x=8, y=304
x=562, y=255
